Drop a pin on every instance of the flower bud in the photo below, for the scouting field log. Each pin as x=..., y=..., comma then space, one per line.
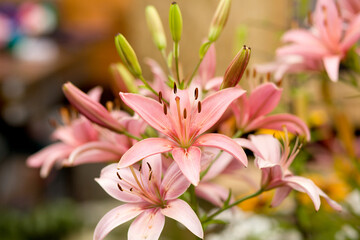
x=219, y=20
x=175, y=22
x=156, y=28
x=236, y=68
x=125, y=82
x=127, y=55
x=91, y=109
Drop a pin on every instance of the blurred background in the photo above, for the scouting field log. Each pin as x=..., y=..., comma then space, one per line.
x=44, y=44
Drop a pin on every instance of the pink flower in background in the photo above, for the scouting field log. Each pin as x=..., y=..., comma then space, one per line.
x=148, y=197
x=184, y=122
x=349, y=9
x=274, y=161
x=328, y=41
x=251, y=112
x=216, y=163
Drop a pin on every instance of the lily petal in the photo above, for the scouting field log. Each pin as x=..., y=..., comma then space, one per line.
x=264, y=99
x=292, y=123
x=222, y=142
x=280, y=194
x=148, y=109
x=213, y=193
x=332, y=64
x=145, y=148
x=302, y=184
x=188, y=161
x=214, y=106
x=174, y=182
x=352, y=34
x=180, y=211
x=148, y=225
x=116, y=217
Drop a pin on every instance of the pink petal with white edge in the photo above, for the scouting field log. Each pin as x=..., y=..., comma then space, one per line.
x=149, y=110
x=174, y=182
x=245, y=143
x=95, y=93
x=277, y=122
x=222, y=142
x=264, y=99
x=305, y=185
x=145, y=148
x=269, y=148
x=280, y=194
x=148, y=225
x=188, y=161
x=39, y=158
x=116, y=217
x=109, y=150
x=180, y=211
x=213, y=107
x=331, y=202
x=332, y=64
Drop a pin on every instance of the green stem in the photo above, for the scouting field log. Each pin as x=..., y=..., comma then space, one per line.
x=150, y=88
x=193, y=199
x=126, y=133
x=176, y=56
x=207, y=219
x=194, y=72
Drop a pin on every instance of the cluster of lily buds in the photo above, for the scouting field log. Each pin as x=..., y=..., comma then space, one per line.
x=331, y=38
x=172, y=145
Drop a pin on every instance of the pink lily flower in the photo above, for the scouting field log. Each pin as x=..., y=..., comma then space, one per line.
x=251, y=112
x=326, y=42
x=148, y=197
x=274, y=161
x=184, y=122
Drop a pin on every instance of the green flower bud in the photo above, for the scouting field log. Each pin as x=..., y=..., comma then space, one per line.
x=236, y=68
x=156, y=28
x=219, y=20
x=127, y=55
x=124, y=81
x=175, y=22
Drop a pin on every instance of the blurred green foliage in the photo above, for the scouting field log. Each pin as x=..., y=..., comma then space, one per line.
x=49, y=221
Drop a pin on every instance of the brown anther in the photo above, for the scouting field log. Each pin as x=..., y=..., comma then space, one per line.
x=118, y=176
x=185, y=115
x=268, y=76
x=199, y=106
x=196, y=93
x=149, y=166
x=244, y=47
x=175, y=88
x=109, y=106
x=165, y=109
x=120, y=188
x=247, y=73
x=325, y=23
x=254, y=73
x=160, y=97
x=150, y=175
x=140, y=167
x=131, y=189
x=65, y=115
x=53, y=123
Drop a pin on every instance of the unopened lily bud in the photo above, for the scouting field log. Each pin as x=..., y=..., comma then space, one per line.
x=175, y=22
x=127, y=55
x=236, y=68
x=90, y=108
x=219, y=20
x=124, y=80
x=156, y=28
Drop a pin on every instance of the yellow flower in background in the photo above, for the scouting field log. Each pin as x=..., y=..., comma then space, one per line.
x=317, y=118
